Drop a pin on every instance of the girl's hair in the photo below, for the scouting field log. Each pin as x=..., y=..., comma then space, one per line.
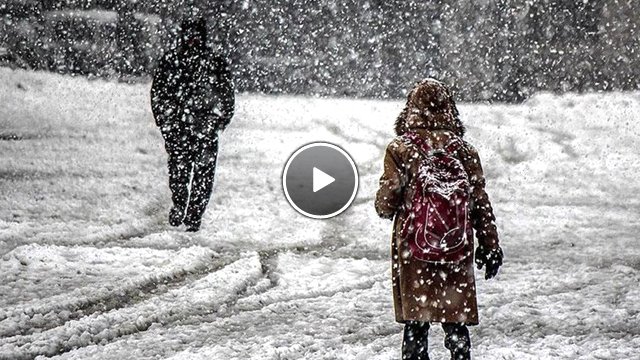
x=430, y=97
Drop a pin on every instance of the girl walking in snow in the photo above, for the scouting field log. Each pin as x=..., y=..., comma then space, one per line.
x=433, y=188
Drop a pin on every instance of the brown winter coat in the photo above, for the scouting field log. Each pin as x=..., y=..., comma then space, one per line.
x=425, y=291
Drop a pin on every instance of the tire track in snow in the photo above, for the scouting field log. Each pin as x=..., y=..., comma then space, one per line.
x=27, y=319
x=203, y=296
x=269, y=264
x=252, y=304
x=251, y=298
x=54, y=311
x=221, y=326
x=201, y=331
x=99, y=237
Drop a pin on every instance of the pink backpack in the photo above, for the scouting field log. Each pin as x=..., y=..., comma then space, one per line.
x=437, y=226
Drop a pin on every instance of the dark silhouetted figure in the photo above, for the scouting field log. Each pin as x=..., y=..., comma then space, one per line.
x=192, y=99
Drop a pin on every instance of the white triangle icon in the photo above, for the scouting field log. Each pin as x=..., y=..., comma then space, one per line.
x=321, y=179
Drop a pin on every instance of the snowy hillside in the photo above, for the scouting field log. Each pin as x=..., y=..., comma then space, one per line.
x=90, y=269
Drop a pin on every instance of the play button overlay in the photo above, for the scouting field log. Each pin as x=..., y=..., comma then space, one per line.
x=320, y=180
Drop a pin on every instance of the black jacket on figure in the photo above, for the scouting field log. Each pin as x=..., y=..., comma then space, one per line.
x=192, y=86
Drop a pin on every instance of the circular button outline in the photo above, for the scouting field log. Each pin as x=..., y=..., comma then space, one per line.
x=353, y=167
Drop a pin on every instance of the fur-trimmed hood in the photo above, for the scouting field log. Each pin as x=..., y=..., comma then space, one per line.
x=430, y=105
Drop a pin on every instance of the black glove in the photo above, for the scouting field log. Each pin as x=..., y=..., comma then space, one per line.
x=492, y=258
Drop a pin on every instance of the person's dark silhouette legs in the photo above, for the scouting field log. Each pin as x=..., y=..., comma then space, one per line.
x=202, y=185
x=415, y=341
x=180, y=165
x=457, y=340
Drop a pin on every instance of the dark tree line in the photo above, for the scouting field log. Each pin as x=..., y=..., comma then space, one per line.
x=488, y=50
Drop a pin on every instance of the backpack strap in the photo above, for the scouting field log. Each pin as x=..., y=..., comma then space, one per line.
x=423, y=146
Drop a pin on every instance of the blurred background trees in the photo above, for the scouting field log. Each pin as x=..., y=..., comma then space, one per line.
x=488, y=50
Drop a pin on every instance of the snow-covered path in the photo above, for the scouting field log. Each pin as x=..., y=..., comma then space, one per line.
x=89, y=269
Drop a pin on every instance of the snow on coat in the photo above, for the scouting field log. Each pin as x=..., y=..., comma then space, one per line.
x=424, y=291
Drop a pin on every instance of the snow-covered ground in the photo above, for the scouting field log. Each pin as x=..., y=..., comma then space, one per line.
x=89, y=268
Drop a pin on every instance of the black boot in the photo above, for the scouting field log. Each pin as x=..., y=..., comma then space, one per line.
x=193, y=225
x=457, y=340
x=415, y=341
x=176, y=215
